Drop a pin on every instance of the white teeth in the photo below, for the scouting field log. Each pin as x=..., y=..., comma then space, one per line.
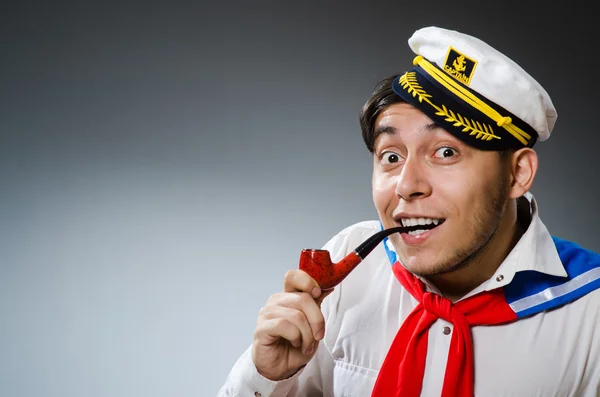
x=416, y=232
x=407, y=222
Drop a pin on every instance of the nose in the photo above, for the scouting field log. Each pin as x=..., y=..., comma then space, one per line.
x=412, y=181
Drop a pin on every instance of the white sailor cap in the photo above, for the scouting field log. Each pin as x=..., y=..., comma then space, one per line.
x=475, y=92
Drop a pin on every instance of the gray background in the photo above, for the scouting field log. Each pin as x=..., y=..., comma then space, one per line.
x=162, y=166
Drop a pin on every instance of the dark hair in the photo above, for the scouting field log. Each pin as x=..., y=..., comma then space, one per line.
x=380, y=99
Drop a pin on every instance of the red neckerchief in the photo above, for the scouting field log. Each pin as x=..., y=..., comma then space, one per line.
x=401, y=374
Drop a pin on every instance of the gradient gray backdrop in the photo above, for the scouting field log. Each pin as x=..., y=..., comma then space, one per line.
x=162, y=166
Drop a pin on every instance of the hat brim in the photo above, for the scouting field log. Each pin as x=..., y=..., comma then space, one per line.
x=456, y=116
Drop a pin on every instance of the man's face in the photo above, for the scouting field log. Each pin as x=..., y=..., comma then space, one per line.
x=422, y=175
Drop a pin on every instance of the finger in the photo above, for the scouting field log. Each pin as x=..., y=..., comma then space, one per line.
x=289, y=316
x=305, y=304
x=299, y=281
x=271, y=331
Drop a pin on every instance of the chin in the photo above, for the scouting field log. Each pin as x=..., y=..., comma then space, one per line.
x=416, y=263
x=421, y=269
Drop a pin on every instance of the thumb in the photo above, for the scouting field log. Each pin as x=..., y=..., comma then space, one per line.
x=324, y=294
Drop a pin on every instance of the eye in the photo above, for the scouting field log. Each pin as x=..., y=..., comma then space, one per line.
x=389, y=157
x=445, y=152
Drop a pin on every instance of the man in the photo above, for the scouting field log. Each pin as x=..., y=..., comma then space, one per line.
x=477, y=298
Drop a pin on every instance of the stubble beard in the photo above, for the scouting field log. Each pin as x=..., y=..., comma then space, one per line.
x=485, y=226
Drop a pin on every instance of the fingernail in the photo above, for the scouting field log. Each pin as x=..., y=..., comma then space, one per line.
x=320, y=334
x=309, y=350
x=316, y=292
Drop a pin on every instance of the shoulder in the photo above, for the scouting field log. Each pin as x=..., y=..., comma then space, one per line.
x=583, y=268
x=582, y=265
x=572, y=254
x=533, y=292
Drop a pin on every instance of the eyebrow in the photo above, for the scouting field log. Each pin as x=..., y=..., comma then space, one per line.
x=389, y=130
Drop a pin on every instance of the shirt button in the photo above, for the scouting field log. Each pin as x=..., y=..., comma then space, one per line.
x=257, y=394
x=446, y=330
x=499, y=278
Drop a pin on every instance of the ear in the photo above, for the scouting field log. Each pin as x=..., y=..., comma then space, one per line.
x=523, y=167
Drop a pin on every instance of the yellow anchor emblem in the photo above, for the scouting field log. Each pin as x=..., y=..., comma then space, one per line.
x=459, y=64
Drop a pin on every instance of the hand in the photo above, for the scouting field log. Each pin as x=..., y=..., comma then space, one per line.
x=289, y=327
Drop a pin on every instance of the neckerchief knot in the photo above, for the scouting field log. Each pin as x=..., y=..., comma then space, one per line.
x=438, y=306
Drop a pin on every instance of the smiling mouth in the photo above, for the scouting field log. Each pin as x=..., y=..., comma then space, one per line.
x=416, y=226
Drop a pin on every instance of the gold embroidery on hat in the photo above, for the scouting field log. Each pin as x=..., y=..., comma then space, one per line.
x=472, y=100
x=459, y=66
x=482, y=131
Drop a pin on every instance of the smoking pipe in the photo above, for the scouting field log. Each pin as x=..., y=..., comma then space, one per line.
x=317, y=262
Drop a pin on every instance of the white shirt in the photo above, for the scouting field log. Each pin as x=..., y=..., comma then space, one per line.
x=553, y=353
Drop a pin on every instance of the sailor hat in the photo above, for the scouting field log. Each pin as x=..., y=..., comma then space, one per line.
x=475, y=92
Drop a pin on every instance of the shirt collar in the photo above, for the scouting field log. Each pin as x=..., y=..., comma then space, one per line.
x=535, y=251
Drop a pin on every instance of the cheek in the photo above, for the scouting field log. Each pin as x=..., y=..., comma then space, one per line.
x=383, y=191
x=463, y=193
x=456, y=189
